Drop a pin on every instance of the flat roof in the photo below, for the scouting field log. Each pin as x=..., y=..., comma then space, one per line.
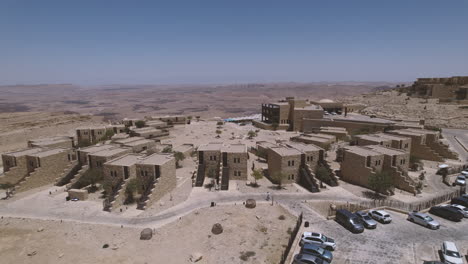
x=127, y=160
x=405, y=132
x=109, y=152
x=373, y=137
x=334, y=128
x=285, y=151
x=182, y=148
x=313, y=138
x=139, y=142
x=266, y=144
x=92, y=127
x=384, y=150
x=48, y=152
x=156, y=159
x=93, y=149
x=362, y=151
x=321, y=135
x=421, y=131
x=24, y=152
x=234, y=148
x=361, y=118
x=213, y=146
x=392, y=137
x=128, y=140
x=146, y=129
x=303, y=147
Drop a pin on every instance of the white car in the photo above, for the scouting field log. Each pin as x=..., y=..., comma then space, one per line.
x=381, y=216
x=461, y=180
x=318, y=239
x=450, y=254
x=462, y=209
x=423, y=219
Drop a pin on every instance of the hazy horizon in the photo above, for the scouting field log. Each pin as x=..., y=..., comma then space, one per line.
x=215, y=42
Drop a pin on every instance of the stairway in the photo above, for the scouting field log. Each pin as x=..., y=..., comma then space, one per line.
x=307, y=179
x=68, y=173
x=200, y=175
x=77, y=177
x=119, y=193
x=225, y=179
x=146, y=196
x=334, y=179
x=442, y=150
x=403, y=181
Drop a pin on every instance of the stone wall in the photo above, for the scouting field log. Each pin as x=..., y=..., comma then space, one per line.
x=51, y=167
x=211, y=164
x=242, y=167
x=351, y=127
x=167, y=182
x=118, y=182
x=277, y=163
x=14, y=174
x=354, y=169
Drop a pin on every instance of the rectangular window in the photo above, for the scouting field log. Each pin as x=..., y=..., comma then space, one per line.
x=292, y=162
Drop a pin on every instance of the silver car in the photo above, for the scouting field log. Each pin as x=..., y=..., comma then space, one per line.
x=461, y=180
x=366, y=219
x=423, y=219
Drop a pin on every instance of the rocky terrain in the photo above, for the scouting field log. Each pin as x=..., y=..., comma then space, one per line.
x=395, y=105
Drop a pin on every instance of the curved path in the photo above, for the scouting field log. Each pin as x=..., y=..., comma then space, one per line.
x=198, y=200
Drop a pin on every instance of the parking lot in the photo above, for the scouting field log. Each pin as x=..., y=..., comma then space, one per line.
x=398, y=242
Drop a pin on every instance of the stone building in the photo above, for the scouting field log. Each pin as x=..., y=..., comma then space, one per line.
x=446, y=89
x=149, y=132
x=158, y=124
x=339, y=132
x=131, y=122
x=36, y=167
x=117, y=173
x=94, y=134
x=222, y=162
x=383, y=139
x=97, y=159
x=82, y=153
x=288, y=114
x=322, y=140
x=186, y=149
x=52, y=142
x=171, y=120
x=425, y=144
x=140, y=145
x=157, y=174
x=284, y=160
x=359, y=163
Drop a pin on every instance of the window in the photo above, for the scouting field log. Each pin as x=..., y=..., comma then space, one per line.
x=7, y=163
x=237, y=173
x=146, y=173
x=292, y=162
x=292, y=176
x=289, y=163
x=236, y=160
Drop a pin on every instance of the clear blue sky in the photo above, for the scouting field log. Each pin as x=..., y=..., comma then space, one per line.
x=225, y=41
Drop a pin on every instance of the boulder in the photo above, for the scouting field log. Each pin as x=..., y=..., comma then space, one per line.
x=146, y=234
x=250, y=203
x=217, y=229
x=195, y=257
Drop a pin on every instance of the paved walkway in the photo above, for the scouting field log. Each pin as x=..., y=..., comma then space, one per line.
x=89, y=212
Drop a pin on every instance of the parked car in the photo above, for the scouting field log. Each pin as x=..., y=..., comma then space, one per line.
x=447, y=212
x=423, y=219
x=349, y=220
x=460, y=180
x=318, y=239
x=450, y=253
x=308, y=259
x=462, y=209
x=317, y=251
x=381, y=216
x=366, y=220
x=462, y=200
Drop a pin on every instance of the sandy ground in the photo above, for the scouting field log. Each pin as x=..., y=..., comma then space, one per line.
x=258, y=230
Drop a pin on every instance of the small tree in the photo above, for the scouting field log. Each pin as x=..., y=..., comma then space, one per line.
x=251, y=134
x=257, y=175
x=92, y=177
x=140, y=123
x=189, y=117
x=132, y=187
x=109, y=134
x=218, y=131
x=167, y=149
x=7, y=187
x=220, y=123
x=179, y=156
x=278, y=178
x=323, y=174
x=211, y=173
x=275, y=126
x=380, y=181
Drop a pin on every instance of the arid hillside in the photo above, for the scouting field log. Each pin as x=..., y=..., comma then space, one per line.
x=117, y=101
